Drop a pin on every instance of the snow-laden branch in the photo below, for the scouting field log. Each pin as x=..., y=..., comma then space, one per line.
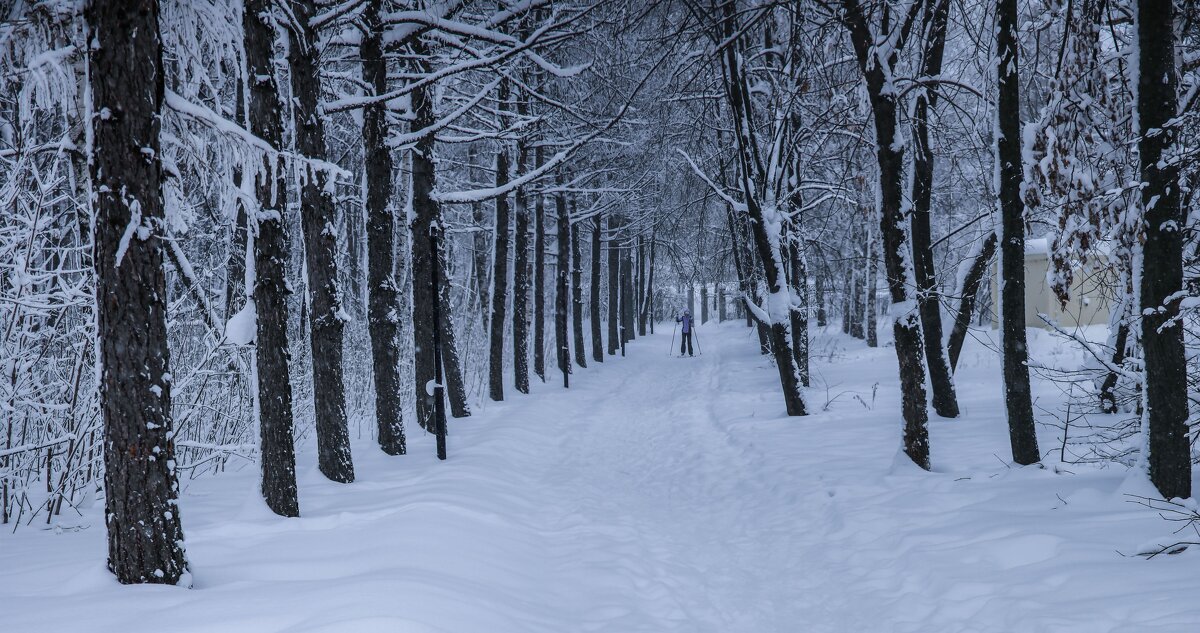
x=740, y=207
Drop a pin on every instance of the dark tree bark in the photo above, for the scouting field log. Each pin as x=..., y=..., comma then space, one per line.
x=562, y=288
x=317, y=213
x=945, y=400
x=577, y=293
x=499, y=274
x=628, y=327
x=1166, y=403
x=383, y=302
x=438, y=423
x=1014, y=354
x=870, y=289
x=822, y=314
x=426, y=220
x=521, y=278
x=641, y=287
x=539, y=273
x=906, y=328
x=721, y=317
x=1108, y=395
x=145, y=537
x=270, y=260
x=704, y=303
x=456, y=388
x=798, y=273
x=969, y=296
x=594, y=289
x=614, y=286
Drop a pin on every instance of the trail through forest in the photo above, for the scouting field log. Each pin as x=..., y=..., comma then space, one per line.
x=661, y=494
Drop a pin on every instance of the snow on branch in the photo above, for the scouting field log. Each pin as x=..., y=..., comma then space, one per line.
x=740, y=207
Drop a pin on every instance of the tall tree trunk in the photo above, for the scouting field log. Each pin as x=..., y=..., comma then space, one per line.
x=871, y=290
x=562, y=287
x=628, y=331
x=426, y=220
x=969, y=296
x=317, y=214
x=577, y=292
x=270, y=259
x=521, y=275
x=1166, y=404
x=822, y=314
x=499, y=275
x=704, y=302
x=721, y=317
x=906, y=328
x=799, y=313
x=539, y=273
x=145, y=537
x=941, y=380
x=767, y=245
x=456, y=388
x=1014, y=354
x=594, y=289
x=383, y=302
x=643, y=291
x=480, y=271
x=614, y=286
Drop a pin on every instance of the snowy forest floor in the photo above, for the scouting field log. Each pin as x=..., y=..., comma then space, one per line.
x=658, y=494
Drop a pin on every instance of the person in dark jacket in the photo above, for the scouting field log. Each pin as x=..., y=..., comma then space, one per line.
x=685, y=343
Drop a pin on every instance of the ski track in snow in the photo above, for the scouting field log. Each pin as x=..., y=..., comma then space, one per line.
x=658, y=494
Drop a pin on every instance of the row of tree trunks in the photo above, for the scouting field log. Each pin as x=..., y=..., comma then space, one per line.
x=383, y=291
x=145, y=537
x=317, y=213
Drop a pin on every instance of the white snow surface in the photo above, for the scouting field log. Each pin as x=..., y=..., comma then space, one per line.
x=658, y=494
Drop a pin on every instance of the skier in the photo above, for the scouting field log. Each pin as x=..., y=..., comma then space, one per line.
x=685, y=343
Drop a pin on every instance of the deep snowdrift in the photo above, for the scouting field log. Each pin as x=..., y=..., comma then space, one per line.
x=657, y=494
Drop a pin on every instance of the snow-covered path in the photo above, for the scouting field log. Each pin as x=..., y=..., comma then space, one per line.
x=658, y=494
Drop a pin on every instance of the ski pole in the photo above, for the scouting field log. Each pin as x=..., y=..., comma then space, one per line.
x=672, y=350
x=696, y=335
